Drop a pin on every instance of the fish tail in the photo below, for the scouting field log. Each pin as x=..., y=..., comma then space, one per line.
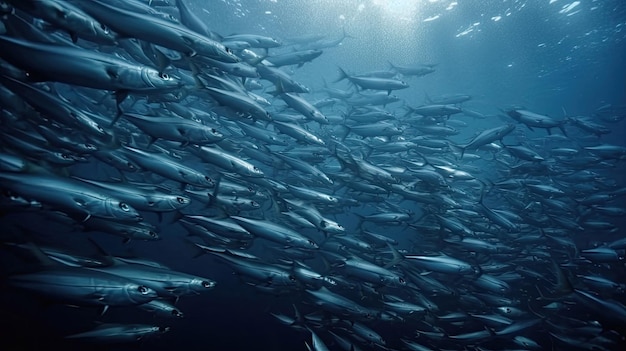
x=195, y=249
x=562, y=128
x=342, y=75
x=458, y=148
x=409, y=110
x=345, y=35
x=346, y=131
x=427, y=98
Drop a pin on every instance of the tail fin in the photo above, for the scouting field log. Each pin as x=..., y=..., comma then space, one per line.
x=345, y=35
x=342, y=75
x=397, y=257
x=427, y=98
x=391, y=65
x=458, y=148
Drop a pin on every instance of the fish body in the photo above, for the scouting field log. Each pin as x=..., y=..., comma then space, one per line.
x=46, y=62
x=72, y=196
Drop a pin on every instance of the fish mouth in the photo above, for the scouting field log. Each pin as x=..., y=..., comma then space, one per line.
x=159, y=81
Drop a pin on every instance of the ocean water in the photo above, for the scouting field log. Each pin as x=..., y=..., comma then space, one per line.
x=558, y=58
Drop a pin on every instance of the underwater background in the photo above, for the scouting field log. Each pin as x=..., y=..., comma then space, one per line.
x=558, y=58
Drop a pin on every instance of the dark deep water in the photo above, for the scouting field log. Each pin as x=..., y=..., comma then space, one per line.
x=554, y=57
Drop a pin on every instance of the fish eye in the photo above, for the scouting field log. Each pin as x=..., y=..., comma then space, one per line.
x=206, y=284
x=153, y=234
x=164, y=76
x=402, y=281
x=254, y=168
x=105, y=29
x=177, y=313
x=312, y=243
x=229, y=50
x=124, y=207
x=143, y=290
x=181, y=200
x=292, y=278
x=208, y=179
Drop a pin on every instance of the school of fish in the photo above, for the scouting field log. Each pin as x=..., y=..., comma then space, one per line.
x=122, y=117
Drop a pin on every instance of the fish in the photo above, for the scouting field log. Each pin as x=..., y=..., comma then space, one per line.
x=298, y=58
x=82, y=287
x=486, y=137
x=65, y=15
x=70, y=195
x=174, y=129
x=119, y=333
x=47, y=62
x=168, y=168
x=535, y=120
x=361, y=211
x=157, y=31
x=373, y=83
x=275, y=232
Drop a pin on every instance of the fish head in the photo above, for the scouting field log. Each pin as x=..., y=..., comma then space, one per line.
x=102, y=34
x=140, y=293
x=154, y=80
x=332, y=227
x=400, y=281
x=200, y=285
x=310, y=244
x=254, y=171
x=225, y=54
x=90, y=126
x=273, y=42
x=87, y=148
x=118, y=210
x=178, y=201
x=205, y=181
x=143, y=233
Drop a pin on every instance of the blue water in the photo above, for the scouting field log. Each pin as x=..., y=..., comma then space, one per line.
x=555, y=57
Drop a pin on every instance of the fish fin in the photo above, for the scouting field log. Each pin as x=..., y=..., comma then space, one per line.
x=397, y=257
x=120, y=96
x=195, y=72
x=562, y=128
x=152, y=141
x=342, y=75
x=86, y=218
x=162, y=60
x=103, y=310
x=458, y=148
